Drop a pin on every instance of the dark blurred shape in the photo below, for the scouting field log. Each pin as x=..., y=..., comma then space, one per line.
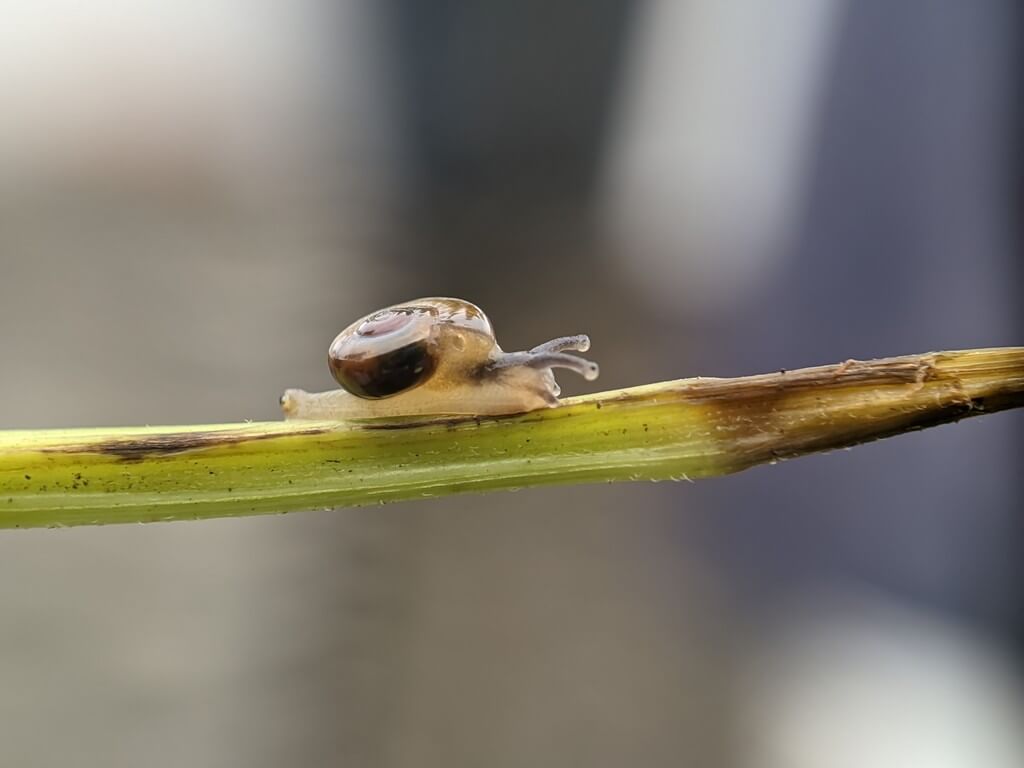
x=506, y=103
x=504, y=111
x=910, y=241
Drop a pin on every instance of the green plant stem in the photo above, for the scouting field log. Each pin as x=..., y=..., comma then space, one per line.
x=685, y=429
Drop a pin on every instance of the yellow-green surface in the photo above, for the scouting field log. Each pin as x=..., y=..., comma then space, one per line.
x=686, y=429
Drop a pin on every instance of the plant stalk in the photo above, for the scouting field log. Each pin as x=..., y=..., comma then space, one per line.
x=686, y=429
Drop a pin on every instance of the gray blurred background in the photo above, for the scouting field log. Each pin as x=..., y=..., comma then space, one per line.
x=194, y=199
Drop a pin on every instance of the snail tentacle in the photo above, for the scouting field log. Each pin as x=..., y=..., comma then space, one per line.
x=578, y=343
x=585, y=368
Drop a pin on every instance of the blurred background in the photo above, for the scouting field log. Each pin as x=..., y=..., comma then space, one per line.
x=196, y=197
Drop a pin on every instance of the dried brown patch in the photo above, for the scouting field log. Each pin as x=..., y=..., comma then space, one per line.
x=173, y=443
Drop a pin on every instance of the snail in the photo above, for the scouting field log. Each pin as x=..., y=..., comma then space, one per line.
x=435, y=356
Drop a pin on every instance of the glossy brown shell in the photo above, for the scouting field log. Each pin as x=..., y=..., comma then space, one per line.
x=401, y=347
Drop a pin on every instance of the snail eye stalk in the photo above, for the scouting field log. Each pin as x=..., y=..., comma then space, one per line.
x=551, y=354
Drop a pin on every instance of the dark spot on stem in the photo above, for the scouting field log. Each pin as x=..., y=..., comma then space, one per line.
x=172, y=443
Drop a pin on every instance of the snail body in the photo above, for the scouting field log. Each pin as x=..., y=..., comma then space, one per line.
x=435, y=356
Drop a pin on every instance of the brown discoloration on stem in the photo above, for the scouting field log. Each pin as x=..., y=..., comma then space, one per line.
x=784, y=415
x=170, y=444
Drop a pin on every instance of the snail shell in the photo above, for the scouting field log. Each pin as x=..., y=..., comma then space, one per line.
x=435, y=356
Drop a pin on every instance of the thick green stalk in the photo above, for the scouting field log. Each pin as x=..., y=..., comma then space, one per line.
x=684, y=429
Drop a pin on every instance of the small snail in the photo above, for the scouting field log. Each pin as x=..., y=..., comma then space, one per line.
x=435, y=356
